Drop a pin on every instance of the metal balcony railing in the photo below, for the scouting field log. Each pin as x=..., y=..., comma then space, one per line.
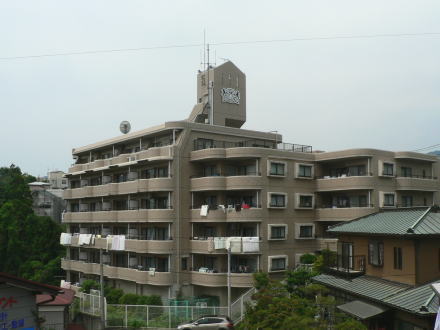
x=345, y=264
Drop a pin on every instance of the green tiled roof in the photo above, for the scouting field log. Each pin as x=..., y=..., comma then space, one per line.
x=366, y=286
x=420, y=300
x=415, y=221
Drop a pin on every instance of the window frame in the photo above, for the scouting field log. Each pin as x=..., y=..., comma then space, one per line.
x=378, y=247
x=298, y=227
x=386, y=172
x=298, y=201
x=269, y=200
x=398, y=258
x=304, y=165
x=270, y=261
x=270, y=231
x=276, y=162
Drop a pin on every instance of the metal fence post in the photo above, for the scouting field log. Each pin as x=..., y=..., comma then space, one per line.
x=126, y=316
x=148, y=309
x=169, y=317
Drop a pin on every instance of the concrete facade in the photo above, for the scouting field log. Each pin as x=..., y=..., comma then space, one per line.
x=151, y=185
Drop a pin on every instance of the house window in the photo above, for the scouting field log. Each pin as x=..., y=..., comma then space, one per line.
x=278, y=263
x=388, y=169
x=305, y=201
x=304, y=171
x=375, y=253
x=278, y=232
x=397, y=258
x=306, y=231
x=406, y=171
x=388, y=199
x=277, y=168
x=407, y=201
x=277, y=200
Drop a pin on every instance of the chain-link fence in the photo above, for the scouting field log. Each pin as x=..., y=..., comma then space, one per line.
x=145, y=316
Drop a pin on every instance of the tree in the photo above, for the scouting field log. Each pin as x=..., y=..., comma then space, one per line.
x=29, y=244
x=308, y=306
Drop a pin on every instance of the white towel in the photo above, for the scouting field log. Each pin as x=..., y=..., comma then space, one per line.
x=109, y=242
x=251, y=244
x=115, y=242
x=234, y=243
x=223, y=208
x=219, y=243
x=122, y=242
x=204, y=210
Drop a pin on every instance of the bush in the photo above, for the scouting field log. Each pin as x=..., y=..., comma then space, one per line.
x=89, y=284
x=113, y=295
x=307, y=258
x=129, y=299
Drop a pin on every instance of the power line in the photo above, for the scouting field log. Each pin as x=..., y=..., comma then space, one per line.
x=428, y=147
x=248, y=42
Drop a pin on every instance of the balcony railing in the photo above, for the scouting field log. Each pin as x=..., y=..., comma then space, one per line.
x=345, y=264
x=220, y=174
x=200, y=144
x=414, y=176
x=331, y=206
x=348, y=175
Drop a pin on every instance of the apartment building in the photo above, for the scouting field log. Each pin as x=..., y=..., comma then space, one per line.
x=179, y=193
x=385, y=266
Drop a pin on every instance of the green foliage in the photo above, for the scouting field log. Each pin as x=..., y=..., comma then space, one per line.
x=113, y=295
x=129, y=299
x=307, y=258
x=261, y=280
x=325, y=259
x=89, y=284
x=29, y=244
x=294, y=304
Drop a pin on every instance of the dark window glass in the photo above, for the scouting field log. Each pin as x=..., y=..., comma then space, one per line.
x=277, y=200
x=276, y=168
x=305, y=201
x=375, y=253
x=305, y=171
x=306, y=231
x=278, y=264
x=397, y=258
x=277, y=232
x=388, y=169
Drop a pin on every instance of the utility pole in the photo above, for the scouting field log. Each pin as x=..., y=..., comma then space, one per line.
x=101, y=283
x=229, y=281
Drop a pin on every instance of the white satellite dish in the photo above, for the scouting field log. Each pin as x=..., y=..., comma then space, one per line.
x=124, y=127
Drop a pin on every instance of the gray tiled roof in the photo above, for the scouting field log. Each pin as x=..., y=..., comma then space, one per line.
x=415, y=221
x=419, y=300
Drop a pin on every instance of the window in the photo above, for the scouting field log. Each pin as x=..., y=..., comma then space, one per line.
x=406, y=171
x=397, y=258
x=388, y=199
x=277, y=200
x=358, y=170
x=305, y=201
x=210, y=170
x=388, y=169
x=184, y=264
x=277, y=169
x=304, y=171
x=306, y=231
x=277, y=232
x=278, y=263
x=407, y=201
x=375, y=253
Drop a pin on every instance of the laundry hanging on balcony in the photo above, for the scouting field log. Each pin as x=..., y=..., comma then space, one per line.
x=84, y=239
x=251, y=244
x=234, y=243
x=118, y=243
x=65, y=239
x=204, y=210
x=219, y=243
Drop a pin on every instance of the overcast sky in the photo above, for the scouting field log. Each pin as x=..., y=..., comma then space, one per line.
x=331, y=94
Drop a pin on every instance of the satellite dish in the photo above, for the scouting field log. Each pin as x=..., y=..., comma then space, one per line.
x=124, y=127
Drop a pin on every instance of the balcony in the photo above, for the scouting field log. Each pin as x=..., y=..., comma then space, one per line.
x=235, y=182
x=151, y=154
x=214, y=149
x=254, y=214
x=134, y=245
x=350, y=266
x=238, y=280
x=417, y=183
x=328, y=183
x=202, y=246
x=140, y=215
x=344, y=213
x=122, y=273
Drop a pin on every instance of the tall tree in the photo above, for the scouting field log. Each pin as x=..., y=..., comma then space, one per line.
x=29, y=244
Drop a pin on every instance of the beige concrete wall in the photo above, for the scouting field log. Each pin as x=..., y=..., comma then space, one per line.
x=428, y=260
